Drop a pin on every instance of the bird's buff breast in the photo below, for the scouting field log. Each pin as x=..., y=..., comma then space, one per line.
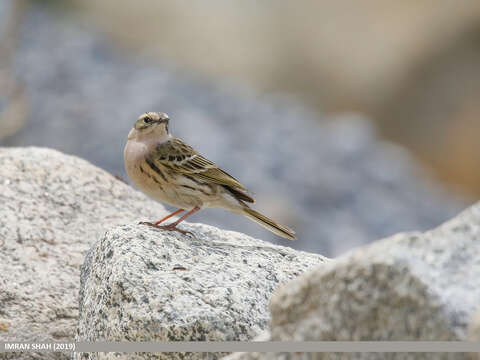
x=161, y=186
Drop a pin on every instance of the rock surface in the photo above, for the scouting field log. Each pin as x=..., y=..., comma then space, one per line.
x=316, y=174
x=52, y=208
x=411, y=286
x=143, y=284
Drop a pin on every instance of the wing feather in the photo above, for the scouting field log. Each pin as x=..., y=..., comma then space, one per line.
x=181, y=157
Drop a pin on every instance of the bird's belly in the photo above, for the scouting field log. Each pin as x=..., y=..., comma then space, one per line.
x=170, y=188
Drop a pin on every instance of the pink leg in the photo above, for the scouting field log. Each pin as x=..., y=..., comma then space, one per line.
x=173, y=226
x=161, y=220
x=169, y=216
x=191, y=212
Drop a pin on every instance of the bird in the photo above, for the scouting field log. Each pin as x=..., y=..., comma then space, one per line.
x=168, y=170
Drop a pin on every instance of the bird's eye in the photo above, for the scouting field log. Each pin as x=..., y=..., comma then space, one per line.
x=147, y=120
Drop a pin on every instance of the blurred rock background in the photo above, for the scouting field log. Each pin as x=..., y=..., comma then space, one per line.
x=412, y=66
x=321, y=76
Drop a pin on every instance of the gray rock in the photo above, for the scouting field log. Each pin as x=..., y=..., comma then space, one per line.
x=52, y=207
x=143, y=284
x=329, y=177
x=412, y=286
x=257, y=356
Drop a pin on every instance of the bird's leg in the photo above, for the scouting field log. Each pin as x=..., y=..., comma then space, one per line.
x=191, y=212
x=173, y=226
x=169, y=216
x=161, y=220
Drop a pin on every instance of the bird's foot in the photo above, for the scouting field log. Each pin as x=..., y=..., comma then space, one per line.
x=169, y=227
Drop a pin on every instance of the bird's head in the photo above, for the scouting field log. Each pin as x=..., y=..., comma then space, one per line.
x=151, y=124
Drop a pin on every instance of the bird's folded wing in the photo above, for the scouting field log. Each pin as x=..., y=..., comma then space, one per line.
x=181, y=157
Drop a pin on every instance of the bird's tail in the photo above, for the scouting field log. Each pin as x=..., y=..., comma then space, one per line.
x=269, y=224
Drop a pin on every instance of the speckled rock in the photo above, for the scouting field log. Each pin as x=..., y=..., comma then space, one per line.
x=52, y=208
x=411, y=286
x=143, y=284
